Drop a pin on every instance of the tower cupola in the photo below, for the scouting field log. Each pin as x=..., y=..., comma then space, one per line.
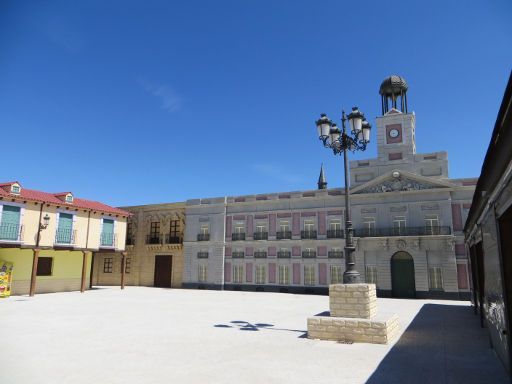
x=390, y=90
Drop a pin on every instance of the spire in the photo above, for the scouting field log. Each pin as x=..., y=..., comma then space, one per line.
x=322, y=182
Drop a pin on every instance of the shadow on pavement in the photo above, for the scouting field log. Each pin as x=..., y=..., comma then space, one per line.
x=246, y=326
x=443, y=344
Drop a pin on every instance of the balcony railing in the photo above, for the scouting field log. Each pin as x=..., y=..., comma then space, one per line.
x=108, y=240
x=11, y=232
x=171, y=238
x=154, y=239
x=260, y=255
x=308, y=234
x=402, y=231
x=260, y=235
x=284, y=235
x=65, y=236
x=238, y=236
x=308, y=254
x=335, y=254
x=284, y=254
x=202, y=255
x=335, y=234
x=130, y=240
x=203, y=237
x=237, y=255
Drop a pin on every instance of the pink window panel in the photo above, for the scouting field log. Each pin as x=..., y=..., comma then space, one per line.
x=460, y=249
x=272, y=251
x=462, y=276
x=250, y=229
x=248, y=272
x=296, y=273
x=249, y=251
x=227, y=272
x=296, y=250
x=296, y=224
x=228, y=251
x=322, y=250
x=322, y=274
x=272, y=224
x=229, y=223
x=272, y=273
x=457, y=217
x=321, y=223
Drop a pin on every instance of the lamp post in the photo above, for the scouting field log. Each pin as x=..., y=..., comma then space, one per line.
x=340, y=142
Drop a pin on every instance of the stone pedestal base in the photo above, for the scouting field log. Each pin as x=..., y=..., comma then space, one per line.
x=353, y=310
x=379, y=330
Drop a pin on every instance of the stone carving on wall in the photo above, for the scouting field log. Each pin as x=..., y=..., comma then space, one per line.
x=384, y=243
x=401, y=244
x=415, y=244
x=397, y=184
x=450, y=244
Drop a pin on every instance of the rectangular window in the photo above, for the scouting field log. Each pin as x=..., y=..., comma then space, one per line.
x=10, y=228
x=174, y=228
x=371, y=274
x=202, y=273
x=108, y=265
x=260, y=228
x=44, y=266
x=284, y=275
x=239, y=228
x=336, y=274
x=107, y=233
x=369, y=226
x=399, y=225
x=205, y=229
x=309, y=275
x=261, y=274
x=284, y=226
x=431, y=225
x=435, y=278
x=128, y=265
x=309, y=225
x=238, y=274
x=64, y=233
x=335, y=225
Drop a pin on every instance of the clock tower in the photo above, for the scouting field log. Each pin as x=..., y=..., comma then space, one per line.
x=396, y=126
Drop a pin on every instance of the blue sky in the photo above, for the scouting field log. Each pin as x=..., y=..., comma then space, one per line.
x=134, y=102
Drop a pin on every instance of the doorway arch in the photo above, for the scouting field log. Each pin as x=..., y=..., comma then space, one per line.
x=402, y=275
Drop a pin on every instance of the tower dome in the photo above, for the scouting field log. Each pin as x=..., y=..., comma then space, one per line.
x=391, y=88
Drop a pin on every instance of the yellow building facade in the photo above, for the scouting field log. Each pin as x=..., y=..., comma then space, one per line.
x=154, y=249
x=49, y=238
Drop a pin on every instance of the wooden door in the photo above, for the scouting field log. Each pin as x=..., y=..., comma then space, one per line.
x=402, y=276
x=163, y=271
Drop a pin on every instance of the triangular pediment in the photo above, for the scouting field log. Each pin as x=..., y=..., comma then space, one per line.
x=400, y=181
x=392, y=111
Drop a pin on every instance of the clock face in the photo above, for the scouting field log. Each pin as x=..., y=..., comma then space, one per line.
x=394, y=133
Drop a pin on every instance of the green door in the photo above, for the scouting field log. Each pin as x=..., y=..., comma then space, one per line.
x=10, y=224
x=65, y=229
x=402, y=275
x=107, y=234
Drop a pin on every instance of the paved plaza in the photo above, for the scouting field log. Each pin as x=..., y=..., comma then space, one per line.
x=151, y=335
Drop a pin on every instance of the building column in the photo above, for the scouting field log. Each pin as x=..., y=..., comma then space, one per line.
x=123, y=268
x=84, y=272
x=35, y=259
x=92, y=271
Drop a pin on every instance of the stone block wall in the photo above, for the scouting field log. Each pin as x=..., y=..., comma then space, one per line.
x=353, y=300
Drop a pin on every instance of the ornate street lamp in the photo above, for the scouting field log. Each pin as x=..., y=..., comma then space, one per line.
x=340, y=142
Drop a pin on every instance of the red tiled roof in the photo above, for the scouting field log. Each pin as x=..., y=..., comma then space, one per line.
x=50, y=198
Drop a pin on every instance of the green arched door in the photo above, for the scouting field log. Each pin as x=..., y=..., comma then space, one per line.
x=402, y=275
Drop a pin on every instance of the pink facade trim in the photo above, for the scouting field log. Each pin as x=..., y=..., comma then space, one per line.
x=391, y=140
x=250, y=226
x=321, y=223
x=466, y=206
x=308, y=194
x=296, y=273
x=228, y=252
x=272, y=251
x=470, y=182
x=456, y=217
x=322, y=274
x=335, y=213
x=249, y=251
x=322, y=250
x=296, y=224
x=395, y=156
x=227, y=272
x=334, y=193
x=229, y=227
x=272, y=273
x=248, y=272
x=285, y=196
x=239, y=217
x=260, y=217
x=308, y=214
x=296, y=250
x=239, y=199
x=283, y=215
x=462, y=276
x=460, y=249
x=272, y=224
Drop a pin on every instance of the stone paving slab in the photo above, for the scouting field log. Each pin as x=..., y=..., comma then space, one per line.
x=152, y=335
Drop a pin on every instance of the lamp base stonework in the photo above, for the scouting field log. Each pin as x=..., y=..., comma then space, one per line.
x=353, y=317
